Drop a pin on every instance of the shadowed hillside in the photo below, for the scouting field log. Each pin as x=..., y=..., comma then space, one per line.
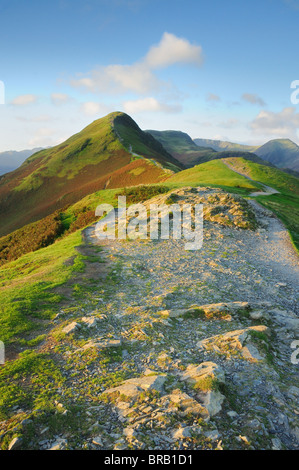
x=182, y=147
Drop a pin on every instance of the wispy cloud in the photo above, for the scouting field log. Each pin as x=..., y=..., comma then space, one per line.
x=281, y=124
x=149, y=104
x=60, y=98
x=140, y=77
x=91, y=108
x=43, y=137
x=253, y=99
x=23, y=100
x=212, y=97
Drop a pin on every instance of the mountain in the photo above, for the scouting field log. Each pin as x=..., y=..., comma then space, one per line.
x=181, y=146
x=184, y=149
x=283, y=153
x=220, y=145
x=12, y=159
x=111, y=152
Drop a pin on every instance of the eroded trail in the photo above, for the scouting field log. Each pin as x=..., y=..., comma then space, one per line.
x=181, y=349
x=224, y=315
x=267, y=189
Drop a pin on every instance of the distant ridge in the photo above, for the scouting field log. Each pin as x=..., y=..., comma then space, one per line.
x=223, y=145
x=283, y=153
x=12, y=159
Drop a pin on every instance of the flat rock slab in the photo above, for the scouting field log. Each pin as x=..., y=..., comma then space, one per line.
x=133, y=387
x=235, y=341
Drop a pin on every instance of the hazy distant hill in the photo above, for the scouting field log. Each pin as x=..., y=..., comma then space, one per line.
x=111, y=152
x=220, y=145
x=282, y=153
x=12, y=159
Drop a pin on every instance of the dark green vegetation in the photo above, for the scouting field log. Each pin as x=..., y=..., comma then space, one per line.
x=143, y=143
x=182, y=147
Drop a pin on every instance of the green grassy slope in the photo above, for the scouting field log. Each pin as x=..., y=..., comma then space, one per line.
x=26, y=286
x=213, y=173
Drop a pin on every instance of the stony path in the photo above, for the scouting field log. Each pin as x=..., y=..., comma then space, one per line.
x=186, y=349
x=252, y=277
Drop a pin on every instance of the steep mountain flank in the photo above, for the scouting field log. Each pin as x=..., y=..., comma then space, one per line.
x=182, y=147
x=98, y=157
x=281, y=152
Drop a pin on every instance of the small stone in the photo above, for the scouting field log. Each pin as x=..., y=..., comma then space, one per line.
x=97, y=441
x=15, y=443
x=181, y=433
x=276, y=444
x=71, y=328
x=212, y=435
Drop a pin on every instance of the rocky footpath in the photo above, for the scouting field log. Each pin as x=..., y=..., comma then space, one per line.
x=180, y=349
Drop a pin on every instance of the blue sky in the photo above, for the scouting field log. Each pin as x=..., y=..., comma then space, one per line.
x=213, y=69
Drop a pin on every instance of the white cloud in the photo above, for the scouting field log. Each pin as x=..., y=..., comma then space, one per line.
x=117, y=79
x=23, y=100
x=43, y=137
x=229, y=124
x=149, y=104
x=139, y=76
x=253, y=99
x=59, y=98
x=281, y=124
x=173, y=50
x=40, y=118
x=91, y=108
x=213, y=97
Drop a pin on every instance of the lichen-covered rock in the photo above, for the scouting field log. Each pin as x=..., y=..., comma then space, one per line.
x=133, y=387
x=71, y=328
x=237, y=342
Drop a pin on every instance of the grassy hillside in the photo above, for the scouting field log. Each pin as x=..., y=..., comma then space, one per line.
x=27, y=286
x=213, y=173
x=285, y=204
x=266, y=174
x=93, y=159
